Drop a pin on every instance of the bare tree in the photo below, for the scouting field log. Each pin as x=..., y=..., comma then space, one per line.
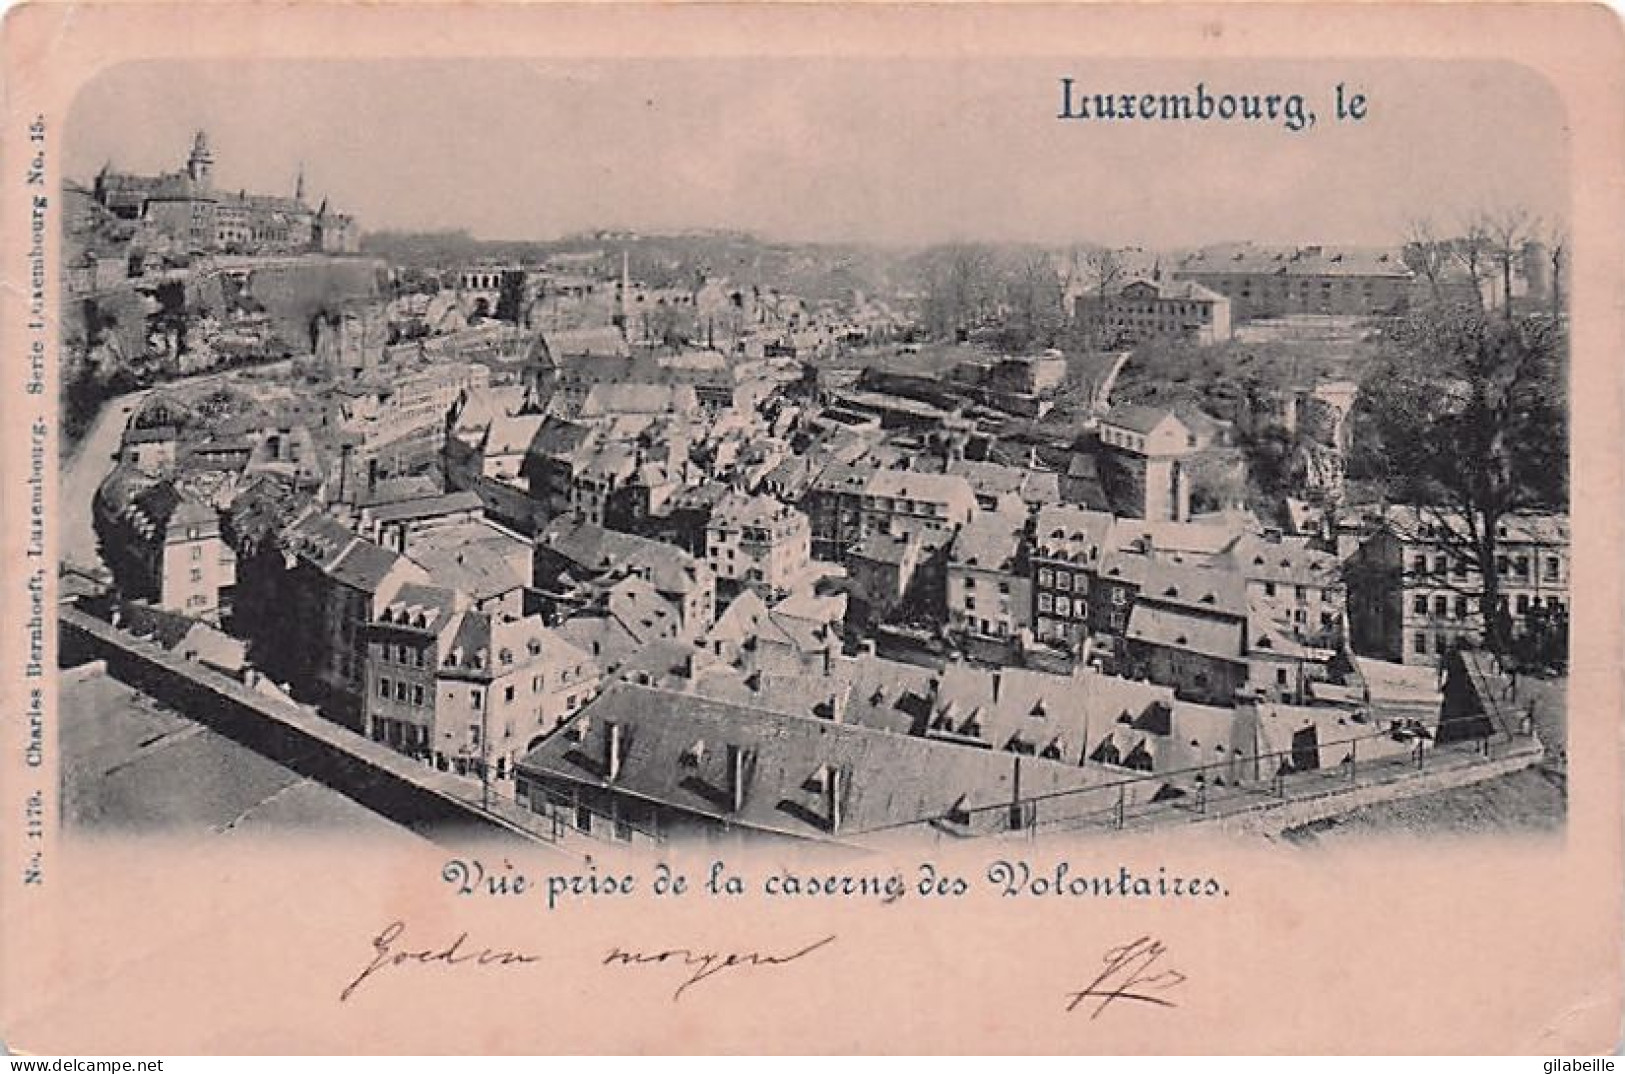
x=1472, y=252
x=1034, y=304
x=960, y=288
x=1429, y=256
x=1557, y=250
x=1509, y=231
x=1106, y=267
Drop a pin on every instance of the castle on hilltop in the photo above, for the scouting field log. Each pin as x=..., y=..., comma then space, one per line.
x=185, y=206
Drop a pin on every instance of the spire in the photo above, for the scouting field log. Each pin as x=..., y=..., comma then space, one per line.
x=299, y=185
x=200, y=163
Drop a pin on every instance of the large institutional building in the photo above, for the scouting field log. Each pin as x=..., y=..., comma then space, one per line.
x=186, y=207
x=1267, y=281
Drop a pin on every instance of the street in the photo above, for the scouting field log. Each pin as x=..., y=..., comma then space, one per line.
x=83, y=473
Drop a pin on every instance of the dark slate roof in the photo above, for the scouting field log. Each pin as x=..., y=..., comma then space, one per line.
x=676, y=753
x=364, y=566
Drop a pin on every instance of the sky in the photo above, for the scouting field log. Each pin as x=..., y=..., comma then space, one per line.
x=893, y=152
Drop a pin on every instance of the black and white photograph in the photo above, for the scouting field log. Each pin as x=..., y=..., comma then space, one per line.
x=654, y=452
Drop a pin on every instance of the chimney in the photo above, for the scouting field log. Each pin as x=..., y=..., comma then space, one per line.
x=736, y=778
x=833, y=785
x=612, y=750
x=1017, y=808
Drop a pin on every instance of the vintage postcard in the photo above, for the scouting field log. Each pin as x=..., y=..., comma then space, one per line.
x=811, y=529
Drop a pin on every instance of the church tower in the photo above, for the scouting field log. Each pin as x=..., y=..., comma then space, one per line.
x=299, y=186
x=201, y=162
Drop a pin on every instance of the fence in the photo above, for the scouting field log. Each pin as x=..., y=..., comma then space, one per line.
x=1400, y=751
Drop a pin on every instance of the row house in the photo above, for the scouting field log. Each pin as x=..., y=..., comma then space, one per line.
x=901, y=502
x=569, y=553
x=881, y=568
x=163, y=544
x=759, y=543
x=1299, y=587
x=332, y=584
x=1189, y=630
x=1414, y=595
x=1068, y=547
x=989, y=582
x=834, y=507
x=466, y=690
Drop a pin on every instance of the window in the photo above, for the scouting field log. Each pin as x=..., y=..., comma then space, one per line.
x=1302, y=594
x=1438, y=644
x=970, y=603
x=400, y=690
x=1419, y=605
x=1063, y=580
x=1063, y=606
x=1269, y=589
x=197, y=552
x=1421, y=642
x=507, y=695
x=474, y=733
x=1046, y=577
x=1439, y=565
x=476, y=698
x=1523, y=603
x=1461, y=607
x=1046, y=602
x=583, y=819
x=1004, y=587
x=1419, y=565
x=1441, y=605
x=383, y=689
x=402, y=653
x=417, y=695
x=1280, y=676
x=420, y=658
x=623, y=829
x=196, y=574
x=1551, y=568
x=1119, y=596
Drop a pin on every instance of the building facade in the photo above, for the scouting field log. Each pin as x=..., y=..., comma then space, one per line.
x=1413, y=595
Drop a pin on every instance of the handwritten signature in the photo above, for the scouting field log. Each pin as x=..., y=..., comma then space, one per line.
x=1129, y=975
x=455, y=953
x=706, y=964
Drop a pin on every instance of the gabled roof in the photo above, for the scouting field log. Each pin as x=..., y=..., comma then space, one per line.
x=364, y=566
x=447, y=503
x=676, y=752
x=989, y=543
x=1212, y=591
x=1139, y=419
x=424, y=607
x=1079, y=534
x=1175, y=628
